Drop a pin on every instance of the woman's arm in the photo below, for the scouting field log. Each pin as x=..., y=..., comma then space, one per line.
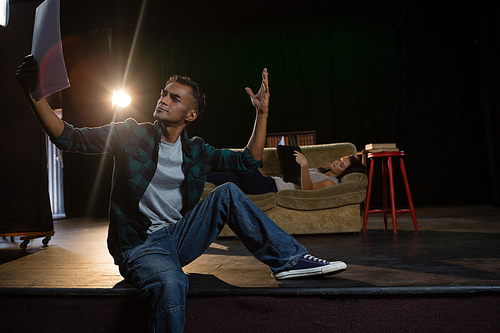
x=323, y=184
x=305, y=179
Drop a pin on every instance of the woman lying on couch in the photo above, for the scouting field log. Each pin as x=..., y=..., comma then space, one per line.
x=311, y=179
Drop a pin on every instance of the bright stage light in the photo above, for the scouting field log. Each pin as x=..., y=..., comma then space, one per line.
x=4, y=12
x=121, y=98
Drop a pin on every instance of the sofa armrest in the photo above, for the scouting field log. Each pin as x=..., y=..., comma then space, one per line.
x=329, y=197
x=355, y=177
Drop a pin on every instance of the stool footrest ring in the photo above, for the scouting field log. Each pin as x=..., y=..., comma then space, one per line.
x=377, y=211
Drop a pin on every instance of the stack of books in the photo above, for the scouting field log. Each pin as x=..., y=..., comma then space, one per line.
x=380, y=147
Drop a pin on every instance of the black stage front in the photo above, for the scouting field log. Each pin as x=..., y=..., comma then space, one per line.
x=456, y=251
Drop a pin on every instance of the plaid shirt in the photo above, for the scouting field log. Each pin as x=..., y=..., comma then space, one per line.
x=135, y=150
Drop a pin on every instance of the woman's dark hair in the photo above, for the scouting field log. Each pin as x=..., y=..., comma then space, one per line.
x=199, y=97
x=355, y=165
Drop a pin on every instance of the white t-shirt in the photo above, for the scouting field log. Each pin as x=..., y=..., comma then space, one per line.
x=162, y=200
x=315, y=175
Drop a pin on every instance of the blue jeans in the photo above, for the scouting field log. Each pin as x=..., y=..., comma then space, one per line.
x=155, y=267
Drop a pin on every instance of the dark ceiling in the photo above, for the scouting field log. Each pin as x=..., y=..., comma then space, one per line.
x=80, y=16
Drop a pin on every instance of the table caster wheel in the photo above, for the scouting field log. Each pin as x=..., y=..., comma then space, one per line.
x=45, y=241
x=24, y=244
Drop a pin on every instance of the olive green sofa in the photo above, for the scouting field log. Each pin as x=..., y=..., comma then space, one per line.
x=335, y=209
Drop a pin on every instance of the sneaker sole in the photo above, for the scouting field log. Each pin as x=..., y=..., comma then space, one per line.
x=334, y=268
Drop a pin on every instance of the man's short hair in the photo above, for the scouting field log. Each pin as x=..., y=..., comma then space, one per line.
x=199, y=97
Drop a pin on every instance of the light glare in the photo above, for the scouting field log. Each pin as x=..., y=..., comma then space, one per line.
x=3, y=13
x=122, y=99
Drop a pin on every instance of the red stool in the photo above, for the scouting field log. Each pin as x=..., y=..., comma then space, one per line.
x=387, y=165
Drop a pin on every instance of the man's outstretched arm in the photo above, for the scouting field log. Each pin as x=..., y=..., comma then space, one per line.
x=261, y=103
x=50, y=122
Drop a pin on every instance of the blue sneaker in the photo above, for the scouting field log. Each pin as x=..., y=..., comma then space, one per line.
x=309, y=265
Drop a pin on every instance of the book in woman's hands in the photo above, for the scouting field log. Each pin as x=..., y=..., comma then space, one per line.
x=290, y=169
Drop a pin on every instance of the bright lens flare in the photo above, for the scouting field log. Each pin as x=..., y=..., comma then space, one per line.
x=121, y=98
x=3, y=13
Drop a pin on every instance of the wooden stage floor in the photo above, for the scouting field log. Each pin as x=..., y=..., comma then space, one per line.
x=457, y=249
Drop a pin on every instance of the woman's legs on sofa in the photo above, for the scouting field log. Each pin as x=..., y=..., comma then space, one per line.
x=249, y=182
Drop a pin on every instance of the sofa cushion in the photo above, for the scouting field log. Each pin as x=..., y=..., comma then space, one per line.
x=330, y=197
x=264, y=201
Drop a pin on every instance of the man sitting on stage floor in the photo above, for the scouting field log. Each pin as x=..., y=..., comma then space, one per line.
x=157, y=224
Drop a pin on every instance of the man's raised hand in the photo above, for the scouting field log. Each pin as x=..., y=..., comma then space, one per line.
x=261, y=100
x=27, y=74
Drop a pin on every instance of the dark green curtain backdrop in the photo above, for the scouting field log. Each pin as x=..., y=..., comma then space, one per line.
x=361, y=72
x=379, y=72
x=330, y=70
